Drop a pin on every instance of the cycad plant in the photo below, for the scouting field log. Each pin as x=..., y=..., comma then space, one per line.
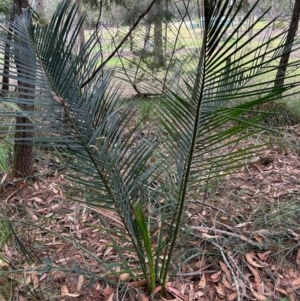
x=201, y=121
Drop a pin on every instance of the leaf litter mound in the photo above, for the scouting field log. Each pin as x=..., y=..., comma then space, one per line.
x=247, y=226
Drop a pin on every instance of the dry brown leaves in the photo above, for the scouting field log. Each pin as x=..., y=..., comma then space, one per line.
x=253, y=275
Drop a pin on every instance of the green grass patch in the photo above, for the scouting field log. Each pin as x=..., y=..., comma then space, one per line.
x=4, y=155
x=5, y=232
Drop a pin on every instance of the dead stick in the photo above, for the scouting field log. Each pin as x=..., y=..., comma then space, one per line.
x=196, y=273
x=241, y=237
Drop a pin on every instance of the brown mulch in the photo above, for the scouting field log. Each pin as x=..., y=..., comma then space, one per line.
x=251, y=259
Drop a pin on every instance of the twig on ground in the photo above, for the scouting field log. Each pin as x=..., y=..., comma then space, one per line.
x=239, y=236
x=207, y=205
x=196, y=273
x=11, y=195
x=230, y=268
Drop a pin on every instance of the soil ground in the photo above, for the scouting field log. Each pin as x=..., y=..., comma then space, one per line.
x=249, y=221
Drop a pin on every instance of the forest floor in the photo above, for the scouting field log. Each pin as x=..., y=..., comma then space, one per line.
x=247, y=225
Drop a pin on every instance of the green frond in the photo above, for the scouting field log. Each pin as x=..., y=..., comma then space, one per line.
x=88, y=123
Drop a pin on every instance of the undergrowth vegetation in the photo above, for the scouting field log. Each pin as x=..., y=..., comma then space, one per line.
x=4, y=152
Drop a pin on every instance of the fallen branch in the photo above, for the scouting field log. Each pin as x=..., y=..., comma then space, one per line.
x=196, y=273
x=217, y=231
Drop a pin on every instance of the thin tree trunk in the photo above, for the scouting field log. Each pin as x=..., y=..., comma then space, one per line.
x=23, y=149
x=281, y=71
x=131, y=34
x=166, y=31
x=158, y=41
x=250, y=33
x=81, y=32
x=147, y=37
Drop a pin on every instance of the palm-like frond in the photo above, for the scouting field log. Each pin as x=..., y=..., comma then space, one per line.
x=87, y=122
x=208, y=115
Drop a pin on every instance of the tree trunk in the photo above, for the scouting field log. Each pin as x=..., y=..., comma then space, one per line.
x=281, y=71
x=166, y=31
x=23, y=149
x=131, y=34
x=158, y=34
x=146, y=46
x=250, y=33
x=81, y=32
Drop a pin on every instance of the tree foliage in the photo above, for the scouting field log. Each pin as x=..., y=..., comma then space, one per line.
x=5, y=6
